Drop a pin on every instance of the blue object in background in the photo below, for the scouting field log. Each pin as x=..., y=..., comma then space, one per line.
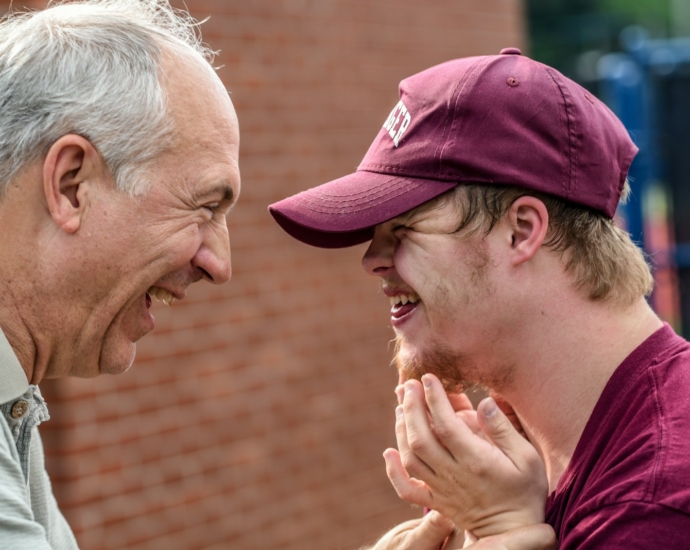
x=625, y=88
x=648, y=87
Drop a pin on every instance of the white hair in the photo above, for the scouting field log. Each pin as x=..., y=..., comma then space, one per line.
x=92, y=68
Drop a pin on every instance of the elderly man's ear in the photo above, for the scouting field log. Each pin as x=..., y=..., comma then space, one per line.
x=528, y=221
x=70, y=170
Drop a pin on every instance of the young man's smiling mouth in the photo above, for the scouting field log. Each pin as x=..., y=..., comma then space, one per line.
x=402, y=303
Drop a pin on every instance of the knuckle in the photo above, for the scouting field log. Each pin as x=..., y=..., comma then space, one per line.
x=417, y=445
x=475, y=468
x=408, y=461
x=444, y=431
x=503, y=428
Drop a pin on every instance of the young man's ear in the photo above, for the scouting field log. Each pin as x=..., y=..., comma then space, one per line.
x=71, y=165
x=529, y=221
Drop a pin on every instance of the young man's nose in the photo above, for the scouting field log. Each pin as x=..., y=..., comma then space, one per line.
x=378, y=259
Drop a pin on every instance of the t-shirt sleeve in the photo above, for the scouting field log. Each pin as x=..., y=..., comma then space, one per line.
x=628, y=526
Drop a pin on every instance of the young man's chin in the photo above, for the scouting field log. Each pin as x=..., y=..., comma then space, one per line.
x=411, y=363
x=453, y=370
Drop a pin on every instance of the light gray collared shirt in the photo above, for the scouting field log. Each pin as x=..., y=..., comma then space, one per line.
x=29, y=516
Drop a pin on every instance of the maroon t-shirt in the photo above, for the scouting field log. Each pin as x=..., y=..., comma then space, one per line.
x=628, y=483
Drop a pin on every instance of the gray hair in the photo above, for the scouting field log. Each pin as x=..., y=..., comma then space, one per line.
x=92, y=68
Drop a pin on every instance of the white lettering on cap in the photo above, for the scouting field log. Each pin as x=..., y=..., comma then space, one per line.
x=397, y=122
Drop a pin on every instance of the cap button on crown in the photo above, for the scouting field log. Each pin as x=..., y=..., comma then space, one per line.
x=511, y=51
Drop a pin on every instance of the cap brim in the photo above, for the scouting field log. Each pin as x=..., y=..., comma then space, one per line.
x=345, y=211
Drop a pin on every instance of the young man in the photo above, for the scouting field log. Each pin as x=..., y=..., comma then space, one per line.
x=488, y=197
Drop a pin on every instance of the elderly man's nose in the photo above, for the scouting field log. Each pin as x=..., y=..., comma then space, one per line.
x=378, y=259
x=213, y=260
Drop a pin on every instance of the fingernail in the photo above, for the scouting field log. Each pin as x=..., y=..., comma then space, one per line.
x=426, y=380
x=409, y=385
x=399, y=411
x=489, y=407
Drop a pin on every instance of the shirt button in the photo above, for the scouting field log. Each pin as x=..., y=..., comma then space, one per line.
x=19, y=409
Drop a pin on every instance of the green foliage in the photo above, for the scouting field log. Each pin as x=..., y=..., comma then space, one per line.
x=562, y=30
x=641, y=11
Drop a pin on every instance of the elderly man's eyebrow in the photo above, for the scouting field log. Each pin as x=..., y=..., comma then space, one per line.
x=224, y=189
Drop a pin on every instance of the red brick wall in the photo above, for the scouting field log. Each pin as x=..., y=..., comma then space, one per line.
x=256, y=413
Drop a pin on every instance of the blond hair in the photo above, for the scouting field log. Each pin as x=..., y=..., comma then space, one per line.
x=601, y=257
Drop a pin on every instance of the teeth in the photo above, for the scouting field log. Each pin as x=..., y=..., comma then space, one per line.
x=162, y=295
x=403, y=299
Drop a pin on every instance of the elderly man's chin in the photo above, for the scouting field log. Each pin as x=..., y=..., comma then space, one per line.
x=455, y=371
x=103, y=356
x=118, y=347
x=116, y=357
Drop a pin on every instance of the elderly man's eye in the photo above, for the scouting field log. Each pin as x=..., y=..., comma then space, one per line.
x=213, y=208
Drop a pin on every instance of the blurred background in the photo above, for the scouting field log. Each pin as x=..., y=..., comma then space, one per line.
x=635, y=55
x=256, y=413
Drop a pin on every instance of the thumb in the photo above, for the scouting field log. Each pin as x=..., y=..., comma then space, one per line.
x=432, y=531
x=496, y=425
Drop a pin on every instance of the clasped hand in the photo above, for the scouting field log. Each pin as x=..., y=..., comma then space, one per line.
x=471, y=466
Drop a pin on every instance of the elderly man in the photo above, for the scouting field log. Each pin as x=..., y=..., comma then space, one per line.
x=118, y=165
x=488, y=198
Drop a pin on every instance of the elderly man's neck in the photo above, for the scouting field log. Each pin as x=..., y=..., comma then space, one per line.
x=573, y=350
x=20, y=299
x=18, y=335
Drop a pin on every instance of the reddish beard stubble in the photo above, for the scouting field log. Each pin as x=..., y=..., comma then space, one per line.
x=456, y=373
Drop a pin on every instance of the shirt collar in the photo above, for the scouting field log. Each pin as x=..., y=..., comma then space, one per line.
x=13, y=381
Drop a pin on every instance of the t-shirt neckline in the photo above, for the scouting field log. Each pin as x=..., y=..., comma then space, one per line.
x=620, y=381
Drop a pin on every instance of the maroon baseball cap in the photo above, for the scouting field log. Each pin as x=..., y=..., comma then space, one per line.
x=503, y=119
